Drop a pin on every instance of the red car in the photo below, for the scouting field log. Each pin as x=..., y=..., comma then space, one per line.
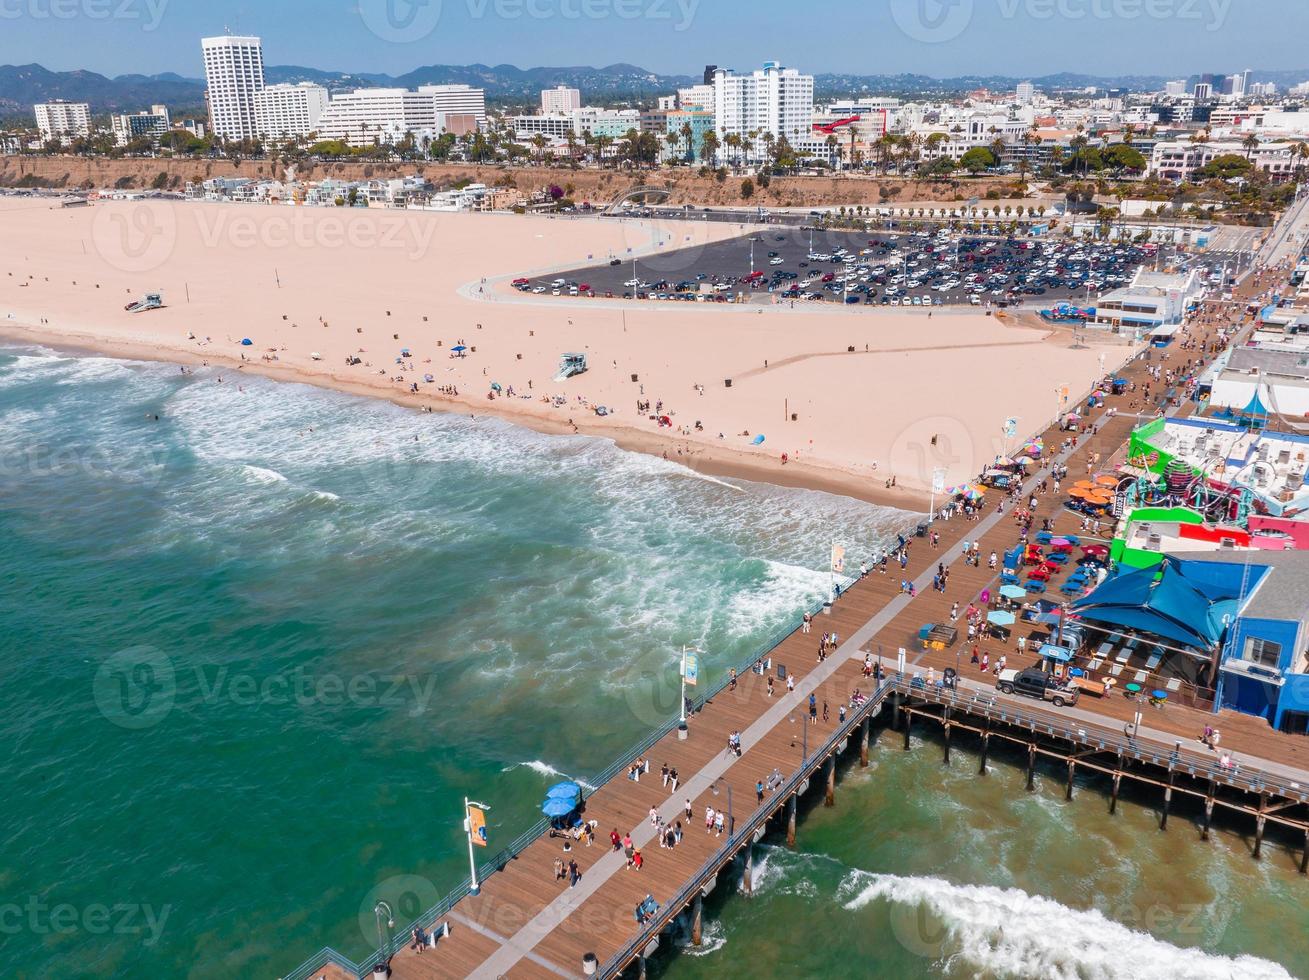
x=520, y=282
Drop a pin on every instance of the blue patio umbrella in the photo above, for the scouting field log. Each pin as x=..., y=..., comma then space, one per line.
x=1013, y=591
x=1001, y=618
x=757, y=439
x=558, y=808
x=458, y=347
x=246, y=342
x=563, y=791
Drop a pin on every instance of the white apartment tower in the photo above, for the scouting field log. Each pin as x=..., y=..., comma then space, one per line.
x=288, y=111
x=234, y=74
x=772, y=100
x=456, y=100
x=59, y=119
x=1025, y=93
x=560, y=100
x=370, y=116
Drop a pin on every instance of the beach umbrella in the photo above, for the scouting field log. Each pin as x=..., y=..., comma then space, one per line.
x=1079, y=493
x=458, y=348
x=1107, y=481
x=1059, y=542
x=1013, y=591
x=567, y=790
x=757, y=439
x=556, y=807
x=1000, y=618
x=247, y=342
x=1083, y=485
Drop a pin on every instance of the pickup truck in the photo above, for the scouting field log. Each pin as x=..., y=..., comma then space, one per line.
x=1037, y=684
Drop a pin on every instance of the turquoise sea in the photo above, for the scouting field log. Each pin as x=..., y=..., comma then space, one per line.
x=259, y=641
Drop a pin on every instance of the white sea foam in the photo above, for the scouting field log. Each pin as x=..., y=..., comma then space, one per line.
x=1007, y=932
x=323, y=495
x=713, y=937
x=263, y=475
x=546, y=770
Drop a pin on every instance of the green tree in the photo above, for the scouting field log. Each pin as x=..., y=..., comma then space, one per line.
x=747, y=188
x=977, y=159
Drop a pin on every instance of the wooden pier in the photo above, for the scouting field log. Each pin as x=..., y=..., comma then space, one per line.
x=524, y=923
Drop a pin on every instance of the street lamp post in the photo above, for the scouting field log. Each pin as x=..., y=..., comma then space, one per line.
x=378, y=910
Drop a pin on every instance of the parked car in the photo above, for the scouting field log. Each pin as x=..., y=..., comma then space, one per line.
x=1036, y=683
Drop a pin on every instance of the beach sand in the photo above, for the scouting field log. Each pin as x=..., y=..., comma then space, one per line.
x=874, y=392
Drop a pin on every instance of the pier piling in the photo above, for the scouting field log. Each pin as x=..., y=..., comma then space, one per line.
x=1118, y=778
x=1209, y=811
x=790, y=822
x=908, y=724
x=863, y=743
x=1031, y=766
x=747, y=876
x=697, y=922
x=829, y=798
x=1260, y=820
x=1068, y=789
x=945, y=721
x=1168, y=799
x=1304, y=857
x=986, y=745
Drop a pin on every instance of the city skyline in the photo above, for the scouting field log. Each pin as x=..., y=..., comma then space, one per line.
x=939, y=38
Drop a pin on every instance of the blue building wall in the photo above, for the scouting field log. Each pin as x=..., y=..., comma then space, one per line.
x=1247, y=694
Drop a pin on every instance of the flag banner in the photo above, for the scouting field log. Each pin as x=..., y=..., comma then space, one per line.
x=477, y=825
x=1010, y=427
x=938, y=481
x=690, y=668
x=838, y=559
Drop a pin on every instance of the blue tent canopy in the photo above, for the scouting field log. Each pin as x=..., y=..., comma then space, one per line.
x=564, y=791
x=1162, y=600
x=1051, y=652
x=558, y=808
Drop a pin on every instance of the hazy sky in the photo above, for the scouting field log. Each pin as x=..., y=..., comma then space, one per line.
x=933, y=37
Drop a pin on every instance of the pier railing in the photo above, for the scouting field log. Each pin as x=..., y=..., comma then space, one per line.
x=500, y=859
x=741, y=833
x=1149, y=748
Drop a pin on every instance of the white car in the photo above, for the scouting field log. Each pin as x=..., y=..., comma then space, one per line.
x=538, y=289
x=631, y=283
x=775, y=261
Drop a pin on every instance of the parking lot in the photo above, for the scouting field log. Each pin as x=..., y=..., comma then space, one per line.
x=812, y=265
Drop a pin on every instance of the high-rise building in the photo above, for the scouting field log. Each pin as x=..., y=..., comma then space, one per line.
x=560, y=99
x=696, y=97
x=152, y=124
x=1202, y=91
x=773, y=100
x=457, y=100
x=370, y=116
x=59, y=119
x=288, y=111
x=234, y=73
x=1025, y=93
x=1175, y=88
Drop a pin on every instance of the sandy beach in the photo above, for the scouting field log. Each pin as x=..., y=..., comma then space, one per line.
x=851, y=397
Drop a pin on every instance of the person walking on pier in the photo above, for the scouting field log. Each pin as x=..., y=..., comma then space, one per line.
x=708, y=820
x=719, y=820
x=628, y=848
x=807, y=623
x=813, y=708
x=615, y=840
x=687, y=810
x=663, y=771
x=759, y=790
x=559, y=868
x=673, y=779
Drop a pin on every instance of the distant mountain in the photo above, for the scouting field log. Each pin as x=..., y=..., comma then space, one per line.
x=28, y=84
x=23, y=85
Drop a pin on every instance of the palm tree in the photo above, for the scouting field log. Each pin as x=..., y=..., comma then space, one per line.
x=1301, y=153
x=709, y=146
x=1250, y=143
x=688, y=135
x=539, y=141
x=674, y=140
x=832, y=143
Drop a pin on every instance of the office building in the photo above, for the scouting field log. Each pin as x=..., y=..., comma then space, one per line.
x=234, y=73
x=773, y=100
x=457, y=99
x=127, y=127
x=1025, y=93
x=289, y=111
x=60, y=119
x=560, y=99
x=372, y=116
x=1175, y=89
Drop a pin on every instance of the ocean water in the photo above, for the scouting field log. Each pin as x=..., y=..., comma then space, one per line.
x=928, y=870
x=259, y=641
